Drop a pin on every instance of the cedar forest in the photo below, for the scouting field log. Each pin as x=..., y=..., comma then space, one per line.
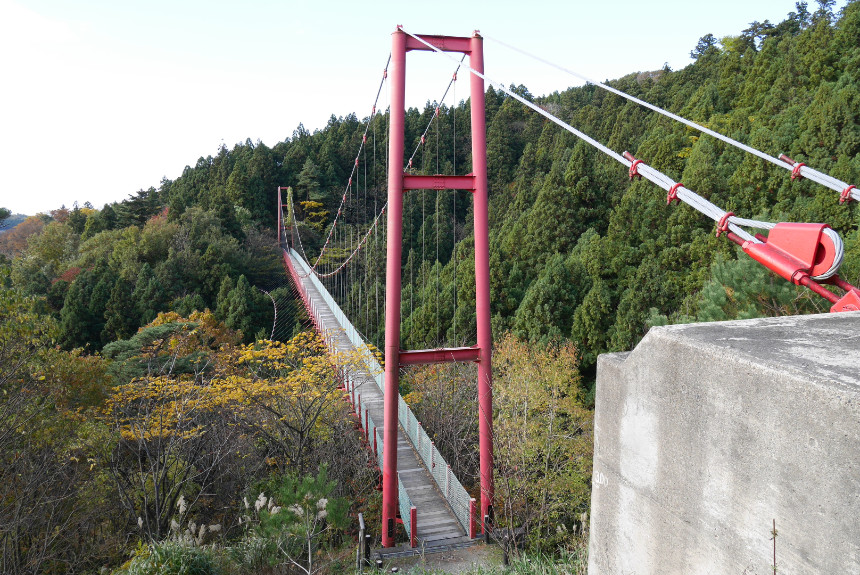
x=154, y=409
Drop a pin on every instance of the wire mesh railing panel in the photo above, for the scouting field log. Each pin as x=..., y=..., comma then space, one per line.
x=459, y=500
x=378, y=440
x=450, y=487
x=405, y=504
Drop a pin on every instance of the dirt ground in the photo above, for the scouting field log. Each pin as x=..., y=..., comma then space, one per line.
x=454, y=561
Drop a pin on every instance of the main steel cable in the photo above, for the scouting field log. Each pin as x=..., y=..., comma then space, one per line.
x=686, y=195
x=805, y=171
x=355, y=164
x=358, y=248
x=528, y=104
x=847, y=191
x=649, y=173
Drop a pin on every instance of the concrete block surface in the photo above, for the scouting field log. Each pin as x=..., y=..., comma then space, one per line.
x=707, y=433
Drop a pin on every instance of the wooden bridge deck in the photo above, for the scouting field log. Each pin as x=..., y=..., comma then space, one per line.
x=437, y=524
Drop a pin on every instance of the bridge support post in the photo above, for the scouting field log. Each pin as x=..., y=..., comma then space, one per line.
x=482, y=276
x=398, y=183
x=394, y=253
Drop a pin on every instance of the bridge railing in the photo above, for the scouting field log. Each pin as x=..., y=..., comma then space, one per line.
x=349, y=330
x=458, y=498
x=407, y=510
x=453, y=491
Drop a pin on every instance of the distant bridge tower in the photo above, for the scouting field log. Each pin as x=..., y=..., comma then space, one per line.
x=398, y=184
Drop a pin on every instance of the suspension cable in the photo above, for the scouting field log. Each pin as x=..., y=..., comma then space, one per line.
x=527, y=103
x=797, y=168
x=726, y=220
x=355, y=164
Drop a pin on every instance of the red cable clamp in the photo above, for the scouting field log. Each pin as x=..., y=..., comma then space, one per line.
x=372, y=112
x=356, y=161
x=634, y=169
x=795, y=171
x=845, y=196
x=455, y=76
x=422, y=139
x=410, y=163
x=437, y=111
x=723, y=224
x=673, y=194
x=364, y=139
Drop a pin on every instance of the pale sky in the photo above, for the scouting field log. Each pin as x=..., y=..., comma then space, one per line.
x=100, y=98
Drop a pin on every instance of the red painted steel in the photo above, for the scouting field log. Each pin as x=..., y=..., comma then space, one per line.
x=444, y=43
x=813, y=285
x=482, y=275
x=849, y=302
x=841, y=283
x=397, y=184
x=794, y=250
x=441, y=355
x=397, y=79
x=792, y=269
x=280, y=217
x=473, y=518
x=806, y=242
x=413, y=522
x=438, y=182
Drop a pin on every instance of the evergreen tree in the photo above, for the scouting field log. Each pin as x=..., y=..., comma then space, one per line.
x=121, y=319
x=148, y=295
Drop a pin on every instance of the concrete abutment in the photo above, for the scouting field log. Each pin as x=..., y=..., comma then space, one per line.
x=706, y=433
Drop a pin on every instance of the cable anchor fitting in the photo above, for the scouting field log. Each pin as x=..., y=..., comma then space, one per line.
x=795, y=171
x=845, y=196
x=634, y=166
x=723, y=224
x=673, y=194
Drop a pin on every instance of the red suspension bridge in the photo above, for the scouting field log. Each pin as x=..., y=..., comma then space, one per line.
x=418, y=486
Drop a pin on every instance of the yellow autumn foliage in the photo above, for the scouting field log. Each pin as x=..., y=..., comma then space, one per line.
x=287, y=391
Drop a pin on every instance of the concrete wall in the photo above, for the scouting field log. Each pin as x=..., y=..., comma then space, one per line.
x=706, y=433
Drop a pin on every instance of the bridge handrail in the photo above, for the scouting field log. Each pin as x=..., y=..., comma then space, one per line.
x=450, y=487
x=453, y=491
x=405, y=504
x=351, y=333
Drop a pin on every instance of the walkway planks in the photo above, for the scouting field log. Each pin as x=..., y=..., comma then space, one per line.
x=437, y=525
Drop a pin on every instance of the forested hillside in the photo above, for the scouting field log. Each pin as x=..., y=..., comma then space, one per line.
x=578, y=252
x=147, y=386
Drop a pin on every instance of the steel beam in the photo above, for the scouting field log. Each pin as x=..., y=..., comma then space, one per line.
x=440, y=355
x=438, y=182
x=444, y=43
